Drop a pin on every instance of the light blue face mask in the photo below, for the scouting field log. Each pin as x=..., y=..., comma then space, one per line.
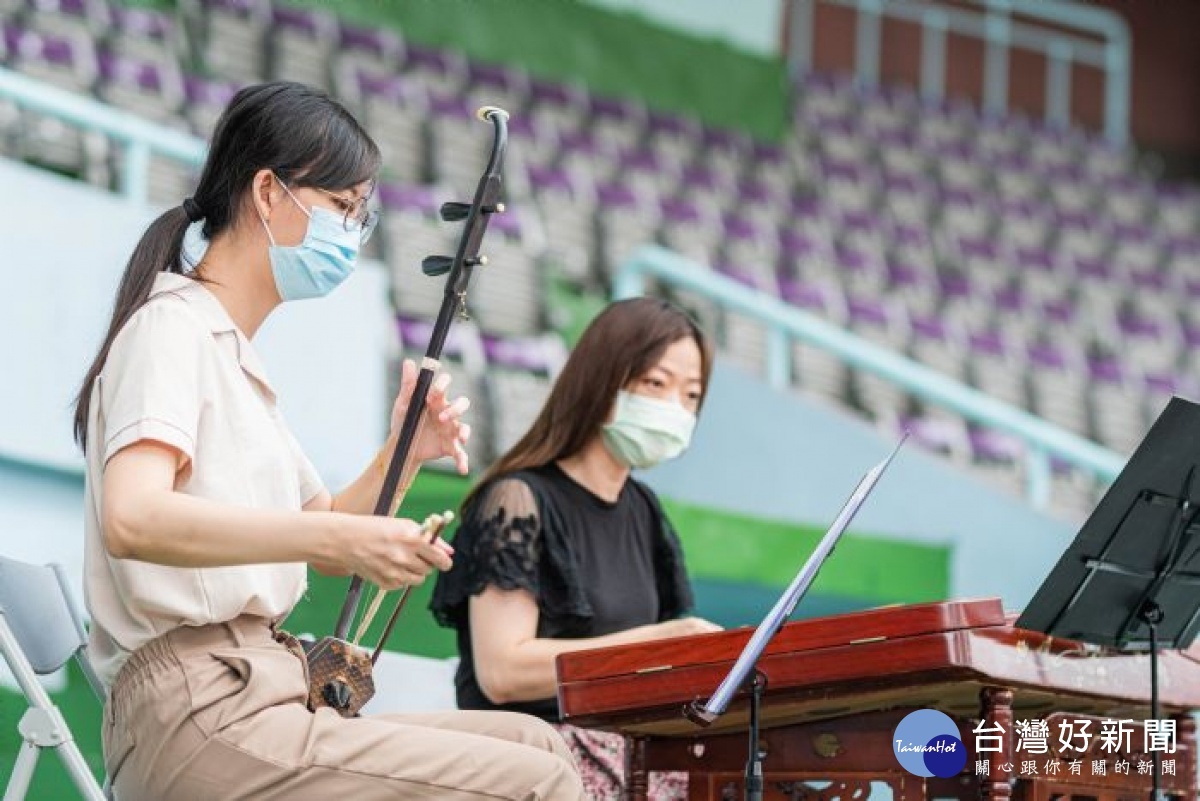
x=645, y=431
x=322, y=261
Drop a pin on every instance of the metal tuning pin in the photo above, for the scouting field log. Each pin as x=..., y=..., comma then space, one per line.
x=454, y=212
x=434, y=266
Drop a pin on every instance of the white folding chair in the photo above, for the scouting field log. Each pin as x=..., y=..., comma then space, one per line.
x=40, y=630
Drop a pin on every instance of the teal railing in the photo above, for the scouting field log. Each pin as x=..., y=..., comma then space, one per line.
x=1065, y=33
x=786, y=323
x=139, y=138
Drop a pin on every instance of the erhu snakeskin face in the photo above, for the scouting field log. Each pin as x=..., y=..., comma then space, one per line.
x=339, y=677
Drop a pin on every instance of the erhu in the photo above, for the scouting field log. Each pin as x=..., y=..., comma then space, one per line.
x=339, y=671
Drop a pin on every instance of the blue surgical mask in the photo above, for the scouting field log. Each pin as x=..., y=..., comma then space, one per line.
x=645, y=431
x=322, y=261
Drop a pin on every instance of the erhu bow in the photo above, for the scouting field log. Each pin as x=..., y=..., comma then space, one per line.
x=337, y=687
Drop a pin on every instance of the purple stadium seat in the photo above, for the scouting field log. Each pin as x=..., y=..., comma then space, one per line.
x=1105, y=370
x=454, y=107
x=554, y=100
x=518, y=353
x=616, y=196
x=1010, y=300
x=1149, y=279
x=552, y=180
x=681, y=211
x=675, y=126
x=205, y=99
x=308, y=22
x=414, y=337
x=92, y=18
x=989, y=445
x=702, y=180
x=1059, y=310
x=1093, y=270
x=989, y=342
x=152, y=89
x=1161, y=386
x=509, y=224
x=869, y=312
x=813, y=297
x=930, y=328
x=796, y=245
x=756, y=195
x=955, y=284
x=1191, y=335
x=1052, y=358
x=498, y=85
x=394, y=89
x=604, y=107
x=947, y=436
x=381, y=44
x=232, y=36
x=767, y=155
x=411, y=199
x=443, y=71
x=746, y=276
x=65, y=59
x=145, y=33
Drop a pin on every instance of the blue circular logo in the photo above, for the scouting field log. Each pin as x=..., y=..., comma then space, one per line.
x=926, y=744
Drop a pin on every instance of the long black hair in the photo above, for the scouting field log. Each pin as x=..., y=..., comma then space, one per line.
x=623, y=343
x=300, y=133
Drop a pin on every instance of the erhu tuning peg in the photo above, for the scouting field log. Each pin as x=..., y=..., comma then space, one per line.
x=436, y=265
x=453, y=212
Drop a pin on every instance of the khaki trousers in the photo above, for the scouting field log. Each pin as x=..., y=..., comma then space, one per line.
x=217, y=712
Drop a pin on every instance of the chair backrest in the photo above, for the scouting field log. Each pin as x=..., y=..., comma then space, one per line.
x=36, y=602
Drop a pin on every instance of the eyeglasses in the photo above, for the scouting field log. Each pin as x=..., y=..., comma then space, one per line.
x=356, y=213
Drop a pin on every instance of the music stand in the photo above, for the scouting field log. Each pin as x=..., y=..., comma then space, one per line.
x=703, y=714
x=1131, y=578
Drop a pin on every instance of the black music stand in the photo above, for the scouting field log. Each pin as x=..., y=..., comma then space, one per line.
x=1131, y=578
x=745, y=670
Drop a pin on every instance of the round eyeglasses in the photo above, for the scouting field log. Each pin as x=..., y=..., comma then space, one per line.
x=355, y=213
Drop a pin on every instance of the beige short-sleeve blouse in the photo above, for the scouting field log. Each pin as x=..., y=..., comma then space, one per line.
x=181, y=373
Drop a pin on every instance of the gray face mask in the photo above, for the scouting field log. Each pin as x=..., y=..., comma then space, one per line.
x=645, y=431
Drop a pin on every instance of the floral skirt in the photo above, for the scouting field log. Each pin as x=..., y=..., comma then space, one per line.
x=601, y=759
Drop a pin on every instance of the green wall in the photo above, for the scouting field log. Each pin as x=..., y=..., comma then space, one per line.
x=612, y=53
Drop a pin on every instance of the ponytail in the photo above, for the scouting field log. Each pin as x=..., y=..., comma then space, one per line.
x=297, y=132
x=159, y=250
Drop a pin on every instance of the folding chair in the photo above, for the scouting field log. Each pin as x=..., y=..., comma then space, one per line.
x=40, y=629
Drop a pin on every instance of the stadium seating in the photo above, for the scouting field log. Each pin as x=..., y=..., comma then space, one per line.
x=1037, y=264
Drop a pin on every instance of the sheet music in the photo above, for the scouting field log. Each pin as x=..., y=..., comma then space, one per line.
x=786, y=604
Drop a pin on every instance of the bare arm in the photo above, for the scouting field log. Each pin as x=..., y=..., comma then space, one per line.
x=144, y=518
x=513, y=664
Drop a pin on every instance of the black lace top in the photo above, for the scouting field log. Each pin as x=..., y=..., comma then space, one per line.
x=594, y=567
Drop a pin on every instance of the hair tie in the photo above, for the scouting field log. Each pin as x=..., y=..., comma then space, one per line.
x=192, y=209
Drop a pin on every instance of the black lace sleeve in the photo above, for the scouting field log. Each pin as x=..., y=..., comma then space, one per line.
x=498, y=544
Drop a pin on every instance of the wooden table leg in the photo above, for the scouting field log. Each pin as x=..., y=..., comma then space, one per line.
x=995, y=706
x=637, y=779
x=1185, y=726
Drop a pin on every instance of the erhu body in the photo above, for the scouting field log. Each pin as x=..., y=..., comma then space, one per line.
x=339, y=671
